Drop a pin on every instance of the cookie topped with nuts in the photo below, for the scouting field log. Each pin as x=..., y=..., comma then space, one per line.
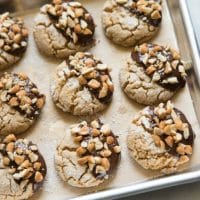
x=162, y=64
x=88, y=155
x=21, y=102
x=22, y=168
x=128, y=22
x=82, y=85
x=153, y=74
x=13, y=39
x=165, y=138
x=66, y=27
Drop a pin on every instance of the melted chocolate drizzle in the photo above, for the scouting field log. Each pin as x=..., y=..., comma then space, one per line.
x=83, y=40
x=189, y=141
x=136, y=56
x=95, y=92
x=22, y=49
x=12, y=164
x=113, y=159
x=141, y=15
x=35, y=112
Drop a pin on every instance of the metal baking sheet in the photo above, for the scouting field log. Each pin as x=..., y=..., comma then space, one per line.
x=49, y=130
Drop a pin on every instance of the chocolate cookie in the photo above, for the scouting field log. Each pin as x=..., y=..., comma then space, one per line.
x=13, y=40
x=82, y=85
x=128, y=22
x=161, y=138
x=20, y=103
x=153, y=74
x=88, y=154
x=22, y=168
x=63, y=28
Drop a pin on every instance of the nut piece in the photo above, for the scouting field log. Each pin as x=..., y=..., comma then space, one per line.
x=95, y=132
x=9, y=138
x=170, y=141
x=95, y=124
x=40, y=103
x=18, y=159
x=105, y=163
x=14, y=89
x=188, y=149
x=84, y=130
x=104, y=91
x=155, y=15
x=181, y=149
x=110, y=140
x=6, y=161
x=83, y=160
x=105, y=129
x=14, y=102
x=33, y=157
x=78, y=138
x=91, y=147
x=10, y=147
x=25, y=164
x=37, y=166
x=80, y=151
x=117, y=149
x=157, y=140
x=38, y=177
x=98, y=145
x=94, y=84
x=106, y=153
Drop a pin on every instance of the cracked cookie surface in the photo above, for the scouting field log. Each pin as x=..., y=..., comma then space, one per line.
x=22, y=168
x=128, y=22
x=153, y=74
x=13, y=40
x=88, y=154
x=20, y=103
x=64, y=28
x=82, y=85
x=161, y=138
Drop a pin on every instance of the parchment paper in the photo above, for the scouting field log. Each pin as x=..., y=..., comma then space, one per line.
x=50, y=128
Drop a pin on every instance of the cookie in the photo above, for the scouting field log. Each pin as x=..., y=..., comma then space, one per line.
x=13, y=40
x=20, y=103
x=153, y=74
x=129, y=22
x=64, y=28
x=88, y=154
x=22, y=168
x=82, y=85
x=161, y=138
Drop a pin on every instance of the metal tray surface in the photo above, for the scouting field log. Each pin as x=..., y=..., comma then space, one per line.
x=177, y=12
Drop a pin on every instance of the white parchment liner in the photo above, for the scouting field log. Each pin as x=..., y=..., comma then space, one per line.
x=50, y=128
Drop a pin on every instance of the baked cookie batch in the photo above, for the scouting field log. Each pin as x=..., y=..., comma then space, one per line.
x=160, y=136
